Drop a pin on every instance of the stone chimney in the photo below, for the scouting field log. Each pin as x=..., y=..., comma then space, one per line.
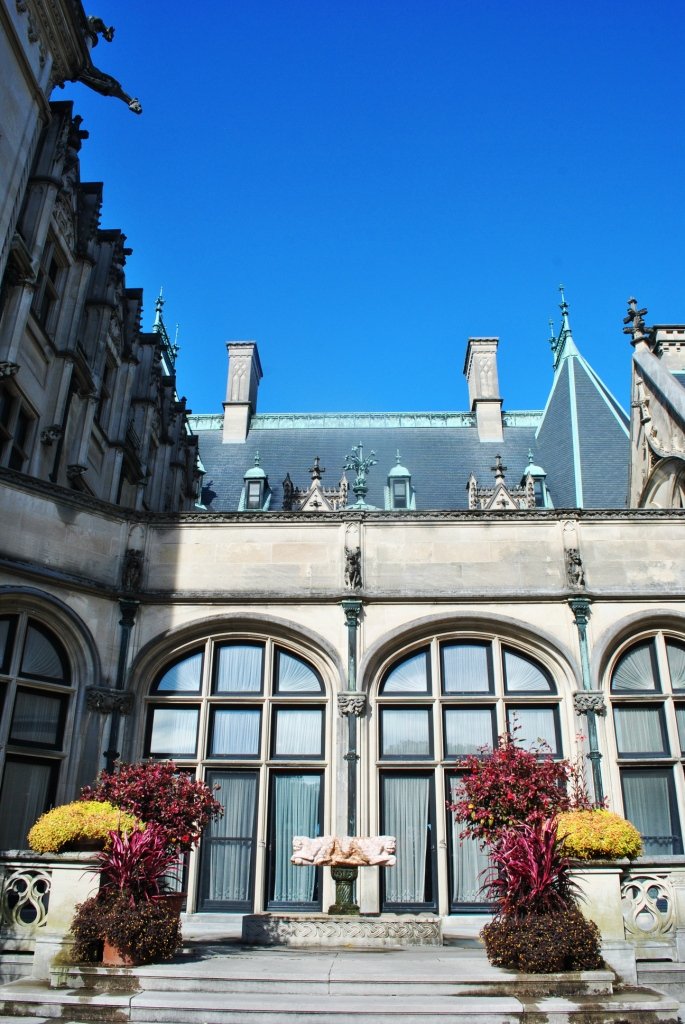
x=480, y=370
x=244, y=375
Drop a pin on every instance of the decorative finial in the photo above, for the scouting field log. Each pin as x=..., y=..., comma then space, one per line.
x=498, y=469
x=317, y=469
x=256, y=457
x=564, y=303
x=356, y=461
x=636, y=319
x=397, y=457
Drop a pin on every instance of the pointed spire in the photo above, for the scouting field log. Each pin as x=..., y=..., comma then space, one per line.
x=158, y=325
x=564, y=345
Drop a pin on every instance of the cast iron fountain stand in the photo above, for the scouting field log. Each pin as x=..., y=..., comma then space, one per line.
x=344, y=878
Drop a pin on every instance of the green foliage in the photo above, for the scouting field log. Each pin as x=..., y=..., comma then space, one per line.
x=80, y=822
x=147, y=931
x=598, y=835
x=544, y=943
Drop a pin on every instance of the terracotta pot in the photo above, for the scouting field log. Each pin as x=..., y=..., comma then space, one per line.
x=113, y=957
x=175, y=900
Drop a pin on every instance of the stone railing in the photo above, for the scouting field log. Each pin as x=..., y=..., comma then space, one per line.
x=653, y=906
x=38, y=893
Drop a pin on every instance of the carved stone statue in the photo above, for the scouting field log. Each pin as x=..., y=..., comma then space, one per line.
x=344, y=851
x=574, y=569
x=132, y=570
x=353, y=568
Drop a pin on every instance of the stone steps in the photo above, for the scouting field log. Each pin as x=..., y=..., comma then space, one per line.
x=234, y=985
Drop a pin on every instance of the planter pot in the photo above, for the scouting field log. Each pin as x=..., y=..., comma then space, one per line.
x=175, y=900
x=113, y=957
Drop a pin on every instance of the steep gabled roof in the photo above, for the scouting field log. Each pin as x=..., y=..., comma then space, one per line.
x=583, y=438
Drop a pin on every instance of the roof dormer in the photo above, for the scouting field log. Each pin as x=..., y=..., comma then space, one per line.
x=256, y=494
x=399, y=493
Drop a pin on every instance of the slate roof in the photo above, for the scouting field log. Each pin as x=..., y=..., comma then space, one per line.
x=580, y=440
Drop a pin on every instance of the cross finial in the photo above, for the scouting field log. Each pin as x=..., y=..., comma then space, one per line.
x=256, y=457
x=636, y=320
x=317, y=469
x=498, y=469
x=397, y=457
x=564, y=303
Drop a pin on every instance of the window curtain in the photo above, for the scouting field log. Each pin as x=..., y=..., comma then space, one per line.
x=230, y=839
x=296, y=813
x=183, y=677
x=465, y=668
x=236, y=732
x=467, y=730
x=26, y=793
x=535, y=726
x=40, y=657
x=295, y=676
x=648, y=799
x=676, y=664
x=410, y=676
x=635, y=669
x=523, y=676
x=405, y=816
x=36, y=719
x=239, y=669
x=470, y=864
x=680, y=718
x=4, y=632
x=405, y=731
x=174, y=731
x=639, y=730
x=298, y=732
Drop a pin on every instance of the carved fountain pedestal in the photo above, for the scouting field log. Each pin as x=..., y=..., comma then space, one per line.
x=343, y=925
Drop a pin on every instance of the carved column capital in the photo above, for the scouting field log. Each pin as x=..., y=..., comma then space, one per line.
x=8, y=369
x=580, y=606
x=351, y=702
x=589, y=700
x=352, y=610
x=104, y=700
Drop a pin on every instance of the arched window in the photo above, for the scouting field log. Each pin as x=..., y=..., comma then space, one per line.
x=648, y=706
x=35, y=688
x=249, y=715
x=437, y=703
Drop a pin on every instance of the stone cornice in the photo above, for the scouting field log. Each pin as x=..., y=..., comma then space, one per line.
x=74, y=499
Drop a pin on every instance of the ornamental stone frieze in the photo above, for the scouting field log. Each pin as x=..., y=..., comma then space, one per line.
x=352, y=703
x=589, y=700
x=104, y=700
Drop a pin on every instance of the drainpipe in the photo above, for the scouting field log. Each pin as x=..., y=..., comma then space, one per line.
x=588, y=702
x=127, y=621
x=351, y=705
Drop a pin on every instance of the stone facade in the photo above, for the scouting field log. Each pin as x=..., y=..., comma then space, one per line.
x=326, y=662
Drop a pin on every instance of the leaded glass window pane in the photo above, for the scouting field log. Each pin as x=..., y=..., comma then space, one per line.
x=680, y=718
x=649, y=802
x=410, y=676
x=174, y=731
x=4, y=643
x=42, y=658
x=293, y=675
x=405, y=732
x=228, y=843
x=37, y=719
x=676, y=664
x=185, y=676
x=239, y=668
x=522, y=675
x=235, y=732
x=27, y=792
x=640, y=731
x=534, y=727
x=406, y=815
x=636, y=670
x=298, y=732
x=468, y=730
x=466, y=668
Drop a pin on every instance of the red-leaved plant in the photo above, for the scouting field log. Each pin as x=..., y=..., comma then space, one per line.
x=135, y=865
x=508, y=786
x=158, y=792
x=533, y=875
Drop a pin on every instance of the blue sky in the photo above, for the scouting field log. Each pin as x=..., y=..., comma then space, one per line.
x=359, y=185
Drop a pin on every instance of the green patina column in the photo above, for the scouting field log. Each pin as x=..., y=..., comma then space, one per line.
x=351, y=705
x=588, y=702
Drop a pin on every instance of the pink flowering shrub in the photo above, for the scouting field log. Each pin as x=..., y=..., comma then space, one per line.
x=158, y=792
